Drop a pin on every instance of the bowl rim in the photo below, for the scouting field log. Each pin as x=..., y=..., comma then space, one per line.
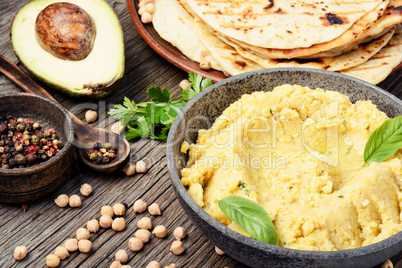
x=253, y=243
x=47, y=163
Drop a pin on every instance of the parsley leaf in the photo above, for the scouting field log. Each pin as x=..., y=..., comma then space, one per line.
x=153, y=119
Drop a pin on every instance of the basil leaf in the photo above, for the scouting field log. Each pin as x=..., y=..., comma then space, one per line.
x=384, y=141
x=251, y=217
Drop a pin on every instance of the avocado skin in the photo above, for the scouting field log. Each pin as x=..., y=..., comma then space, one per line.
x=108, y=91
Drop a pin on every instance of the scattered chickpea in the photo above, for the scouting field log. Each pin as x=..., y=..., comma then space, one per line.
x=219, y=251
x=91, y=116
x=129, y=169
x=387, y=264
x=153, y=264
x=105, y=221
x=154, y=209
x=52, y=260
x=86, y=189
x=71, y=244
x=115, y=264
x=126, y=266
x=62, y=200
x=205, y=65
x=75, y=201
x=184, y=84
x=140, y=206
x=172, y=265
x=93, y=226
x=117, y=128
x=177, y=247
x=141, y=167
x=82, y=233
x=160, y=231
x=135, y=244
x=61, y=253
x=118, y=224
x=143, y=234
x=84, y=246
x=145, y=223
x=119, y=209
x=20, y=252
x=179, y=233
x=121, y=256
x=150, y=8
x=107, y=210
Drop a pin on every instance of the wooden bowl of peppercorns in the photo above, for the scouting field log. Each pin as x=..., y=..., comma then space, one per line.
x=36, y=147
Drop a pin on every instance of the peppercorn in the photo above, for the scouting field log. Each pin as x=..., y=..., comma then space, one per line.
x=46, y=134
x=29, y=127
x=40, y=135
x=36, y=126
x=12, y=126
x=20, y=127
x=99, y=159
x=107, y=146
x=54, y=137
x=93, y=156
x=19, y=148
x=11, y=162
x=31, y=158
x=97, y=146
x=3, y=128
x=105, y=159
x=34, y=140
x=20, y=159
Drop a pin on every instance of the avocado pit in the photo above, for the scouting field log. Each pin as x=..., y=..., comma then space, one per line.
x=66, y=31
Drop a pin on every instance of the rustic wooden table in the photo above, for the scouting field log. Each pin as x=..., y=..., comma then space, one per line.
x=45, y=226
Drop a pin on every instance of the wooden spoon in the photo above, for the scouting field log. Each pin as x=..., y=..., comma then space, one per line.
x=85, y=135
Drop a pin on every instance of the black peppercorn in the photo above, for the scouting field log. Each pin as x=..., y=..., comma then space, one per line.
x=20, y=159
x=31, y=158
x=97, y=146
x=3, y=128
x=105, y=159
x=99, y=159
x=11, y=162
x=43, y=157
x=29, y=127
x=6, y=166
x=40, y=135
x=12, y=126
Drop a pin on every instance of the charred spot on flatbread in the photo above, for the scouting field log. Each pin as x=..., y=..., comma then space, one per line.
x=270, y=5
x=331, y=19
x=242, y=64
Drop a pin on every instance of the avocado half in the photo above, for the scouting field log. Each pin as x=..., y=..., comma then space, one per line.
x=96, y=76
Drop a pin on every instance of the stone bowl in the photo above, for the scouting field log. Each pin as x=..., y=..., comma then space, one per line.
x=209, y=104
x=28, y=184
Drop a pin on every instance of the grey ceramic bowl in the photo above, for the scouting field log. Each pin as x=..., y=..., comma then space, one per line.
x=210, y=104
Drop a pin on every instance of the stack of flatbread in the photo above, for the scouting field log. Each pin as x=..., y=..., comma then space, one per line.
x=361, y=38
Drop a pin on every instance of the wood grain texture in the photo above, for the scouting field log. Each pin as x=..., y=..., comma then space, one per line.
x=45, y=226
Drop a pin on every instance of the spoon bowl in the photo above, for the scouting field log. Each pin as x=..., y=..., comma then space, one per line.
x=85, y=135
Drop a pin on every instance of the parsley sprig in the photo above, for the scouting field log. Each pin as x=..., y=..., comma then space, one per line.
x=153, y=119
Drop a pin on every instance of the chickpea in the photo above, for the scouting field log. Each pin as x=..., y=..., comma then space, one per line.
x=71, y=244
x=115, y=264
x=119, y=224
x=143, y=234
x=145, y=223
x=52, y=260
x=121, y=256
x=141, y=10
x=135, y=244
x=75, y=201
x=179, y=233
x=93, y=226
x=91, y=116
x=84, y=246
x=184, y=84
x=119, y=209
x=153, y=264
x=107, y=210
x=140, y=206
x=20, y=252
x=160, y=231
x=61, y=253
x=172, y=265
x=205, y=65
x=62, y=200
x=177, y=247
x=387, y=264
x=129, y=169
x=126, y=266
x=141, y=167
x=150, y=8
x=86, y=189
x=82, y=233
x=117, y=128
x=154, y=209
x=219, y=251
x=105, y=221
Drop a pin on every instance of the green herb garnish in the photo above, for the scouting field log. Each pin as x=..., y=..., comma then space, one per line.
x=344, y=122
x=384, y=141
x=341, y=196
x=251, y=217
x=154, y=119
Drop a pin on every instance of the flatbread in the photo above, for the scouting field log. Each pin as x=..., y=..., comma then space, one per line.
x=362, y=31
x=176, y=26
x=378, y=67
x=282, y=24
x=341, y=62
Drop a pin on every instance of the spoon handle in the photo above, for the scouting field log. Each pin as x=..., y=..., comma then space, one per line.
x=16, y=75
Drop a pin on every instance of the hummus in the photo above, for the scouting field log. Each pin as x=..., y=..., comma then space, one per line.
x=298, y=153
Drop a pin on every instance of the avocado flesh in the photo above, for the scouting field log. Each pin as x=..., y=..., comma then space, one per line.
x=97, y=76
